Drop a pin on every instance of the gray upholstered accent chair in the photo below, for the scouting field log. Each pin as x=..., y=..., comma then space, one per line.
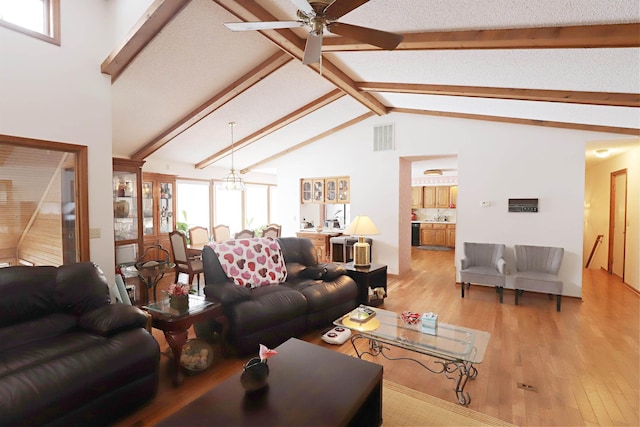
x=483, y=264
x=537, y=271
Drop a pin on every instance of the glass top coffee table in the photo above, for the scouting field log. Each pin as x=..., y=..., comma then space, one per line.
x=455, y=349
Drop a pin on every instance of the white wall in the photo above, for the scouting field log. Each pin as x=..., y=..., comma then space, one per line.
x=496, y=162
x=596, y=212
x=58, y=93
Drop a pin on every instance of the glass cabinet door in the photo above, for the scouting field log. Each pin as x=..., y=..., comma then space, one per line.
x=344, y=190
x=166, y=207
x=147, y=208
x=306, y=191
x=125, y=206
x=331, y=186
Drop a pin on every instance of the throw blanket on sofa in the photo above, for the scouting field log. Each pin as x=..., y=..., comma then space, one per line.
x=253, y=262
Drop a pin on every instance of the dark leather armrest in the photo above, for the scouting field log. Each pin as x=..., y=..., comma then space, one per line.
x=333, y=271
x=227, y=293
x=316, y=272
x=112, y=318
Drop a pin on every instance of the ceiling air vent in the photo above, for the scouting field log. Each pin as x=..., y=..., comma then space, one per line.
x=383, y=138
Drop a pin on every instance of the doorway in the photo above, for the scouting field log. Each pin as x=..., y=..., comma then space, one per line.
x=617, y=223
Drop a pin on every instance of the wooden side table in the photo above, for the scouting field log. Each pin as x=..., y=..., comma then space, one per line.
x=372, y=276
x=175, y=325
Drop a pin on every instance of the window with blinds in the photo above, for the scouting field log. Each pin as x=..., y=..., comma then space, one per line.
x=38, y=203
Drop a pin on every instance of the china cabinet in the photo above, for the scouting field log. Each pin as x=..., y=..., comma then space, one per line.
x=127, y=208
x=158, y=209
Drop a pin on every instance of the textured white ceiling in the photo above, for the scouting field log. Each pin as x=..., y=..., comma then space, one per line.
x=195, y=57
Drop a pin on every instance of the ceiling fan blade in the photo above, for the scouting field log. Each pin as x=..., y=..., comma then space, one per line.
x=269, y=25
x=341, y=7
x=313, y=48
x=303, y=5
x=382, y=39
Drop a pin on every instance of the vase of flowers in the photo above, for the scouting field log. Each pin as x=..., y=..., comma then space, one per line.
x=179, y=296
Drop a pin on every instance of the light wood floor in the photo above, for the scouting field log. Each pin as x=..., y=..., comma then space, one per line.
x=582, y=362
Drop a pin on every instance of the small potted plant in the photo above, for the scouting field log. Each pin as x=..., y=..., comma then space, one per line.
x=179, y=296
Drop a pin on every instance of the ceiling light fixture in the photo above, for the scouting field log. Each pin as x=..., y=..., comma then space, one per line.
x=602, y=153
x=433, y=172
x=233, y=181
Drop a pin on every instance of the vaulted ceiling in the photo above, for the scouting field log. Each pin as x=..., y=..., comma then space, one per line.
x=181, y=76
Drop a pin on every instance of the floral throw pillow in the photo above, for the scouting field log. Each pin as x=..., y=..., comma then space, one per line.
x=253, y=262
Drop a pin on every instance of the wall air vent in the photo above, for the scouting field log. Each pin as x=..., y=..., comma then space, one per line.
x=383, y=138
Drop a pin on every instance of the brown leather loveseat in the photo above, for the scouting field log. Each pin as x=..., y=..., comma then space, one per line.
x=312, y=296
x=68, y=356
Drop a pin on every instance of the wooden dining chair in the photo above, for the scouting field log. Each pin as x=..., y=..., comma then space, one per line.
x=221, y=233
x=198, y=236
x=184, y=263
x=271, y=230
x=245, y=234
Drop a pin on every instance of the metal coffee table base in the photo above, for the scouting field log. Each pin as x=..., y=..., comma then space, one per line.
x=459, y=371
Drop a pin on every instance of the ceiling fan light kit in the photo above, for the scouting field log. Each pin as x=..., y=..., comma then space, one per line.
x=321, y=15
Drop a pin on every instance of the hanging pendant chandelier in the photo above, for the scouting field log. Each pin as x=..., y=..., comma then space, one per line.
x=233, y=181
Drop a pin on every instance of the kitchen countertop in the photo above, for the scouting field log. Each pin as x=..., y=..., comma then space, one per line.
x=336, y=231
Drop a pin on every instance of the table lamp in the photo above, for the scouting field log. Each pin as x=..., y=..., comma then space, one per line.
x=361, y=226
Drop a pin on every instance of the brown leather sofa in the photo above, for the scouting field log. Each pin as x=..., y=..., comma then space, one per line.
x=68, y=356
x=312, y=296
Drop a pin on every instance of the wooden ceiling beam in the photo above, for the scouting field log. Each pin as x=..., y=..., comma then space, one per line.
x=261, y=71
x=272, y=127
x=287, y=40
x=159, y=14
x=520, y=121
x=581, y=36
x=308, y=141
x=565, y=96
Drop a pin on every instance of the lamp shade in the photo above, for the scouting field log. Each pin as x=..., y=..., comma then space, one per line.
x=362, y=226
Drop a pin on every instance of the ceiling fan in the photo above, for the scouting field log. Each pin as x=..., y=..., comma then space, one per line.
x=322, y=15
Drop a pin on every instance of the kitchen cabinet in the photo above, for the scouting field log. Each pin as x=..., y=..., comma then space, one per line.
x=434, y=197
x=127, y=209
x=344, y=189
x=321, y=243
x=158, y=210
x=453, y=196
x=318, y=191
x=451, y=235
x=306, y=191
x=442, y=196
x=332, y=190
x=416, y=197
x=433, y=234
x=428, y=197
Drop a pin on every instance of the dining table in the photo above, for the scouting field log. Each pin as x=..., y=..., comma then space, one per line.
x=195, y=250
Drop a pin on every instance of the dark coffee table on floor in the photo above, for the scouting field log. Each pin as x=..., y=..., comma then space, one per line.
x=308, y=386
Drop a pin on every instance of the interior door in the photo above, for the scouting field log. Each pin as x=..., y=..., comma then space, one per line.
x=617, y=223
